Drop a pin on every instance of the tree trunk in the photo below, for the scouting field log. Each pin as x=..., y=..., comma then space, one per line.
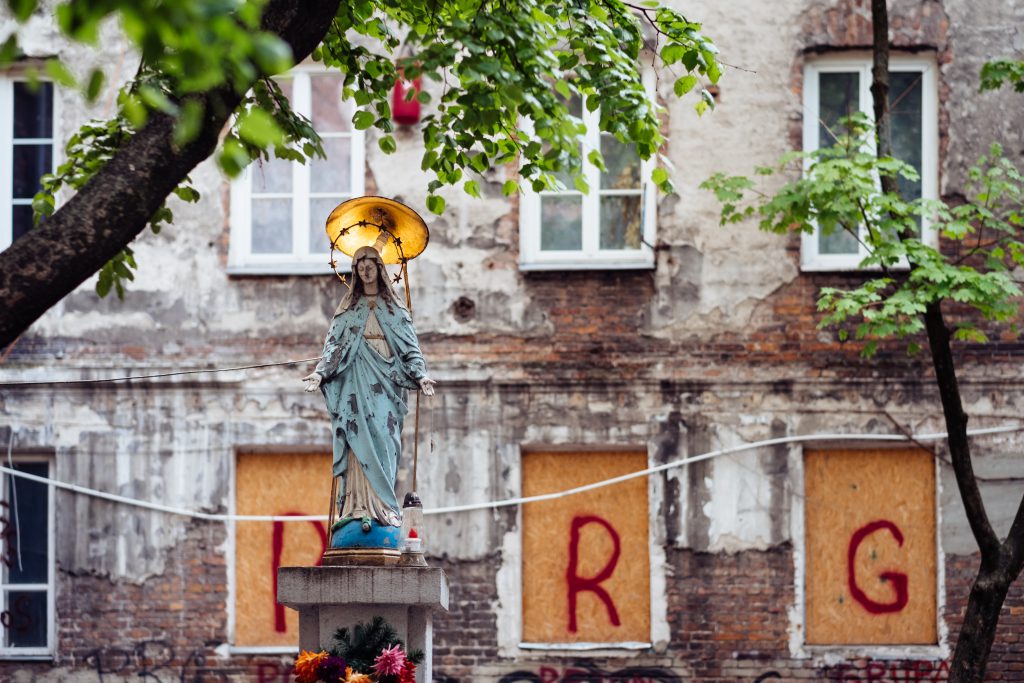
x=978, y=631
x=1000, y=562
x=50, y=261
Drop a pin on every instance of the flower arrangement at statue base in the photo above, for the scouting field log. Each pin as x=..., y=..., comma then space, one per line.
x=370, y=653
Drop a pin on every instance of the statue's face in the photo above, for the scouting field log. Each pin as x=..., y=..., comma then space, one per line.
x=366, y=268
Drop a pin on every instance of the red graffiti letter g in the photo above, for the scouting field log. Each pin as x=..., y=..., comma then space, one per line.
x=899, y=580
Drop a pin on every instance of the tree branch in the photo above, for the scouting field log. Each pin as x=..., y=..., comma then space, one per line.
x=1014, y=544
x=956, y=429
x=50, y=261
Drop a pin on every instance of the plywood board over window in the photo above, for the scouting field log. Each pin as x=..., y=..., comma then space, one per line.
x=870, y=543
x=586, y=567
x=275, y=484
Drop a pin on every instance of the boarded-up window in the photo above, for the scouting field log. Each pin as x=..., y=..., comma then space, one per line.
x=586, y=568
x=275, y=484
x=870, y=543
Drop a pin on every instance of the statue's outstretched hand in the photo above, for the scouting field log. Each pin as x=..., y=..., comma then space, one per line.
x=427, y=385
x=313, y=381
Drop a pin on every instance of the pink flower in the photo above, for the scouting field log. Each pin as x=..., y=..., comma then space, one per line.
x=390, y=661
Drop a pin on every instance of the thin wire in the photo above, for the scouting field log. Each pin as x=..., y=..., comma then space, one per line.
x=509, y=501
x=155, y=376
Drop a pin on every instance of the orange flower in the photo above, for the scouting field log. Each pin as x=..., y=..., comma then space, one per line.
x=355, y=677
x=306, y=665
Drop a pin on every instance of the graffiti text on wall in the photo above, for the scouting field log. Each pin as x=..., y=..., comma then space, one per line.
x=890, y=671
x=898, y=579
x=156, y=661
x=277, y=547
x=547, y=674
x=576, y=584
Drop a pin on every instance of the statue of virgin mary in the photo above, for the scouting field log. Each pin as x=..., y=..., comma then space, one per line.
x=371, y=360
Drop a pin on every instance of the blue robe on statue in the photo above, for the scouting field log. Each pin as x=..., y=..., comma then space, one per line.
x=367, y=394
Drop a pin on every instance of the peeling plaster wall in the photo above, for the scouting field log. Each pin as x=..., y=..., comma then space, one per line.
x=714, y=348
x=174, y=445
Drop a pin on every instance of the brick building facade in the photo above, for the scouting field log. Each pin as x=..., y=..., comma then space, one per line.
x=786, y=504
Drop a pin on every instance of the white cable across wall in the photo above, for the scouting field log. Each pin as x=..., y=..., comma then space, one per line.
x=508, y=502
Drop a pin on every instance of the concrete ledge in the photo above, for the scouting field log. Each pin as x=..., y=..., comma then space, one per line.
x=298, y=587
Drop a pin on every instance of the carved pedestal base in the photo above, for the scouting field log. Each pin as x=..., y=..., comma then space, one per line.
x=328, y=598
x=360, y=557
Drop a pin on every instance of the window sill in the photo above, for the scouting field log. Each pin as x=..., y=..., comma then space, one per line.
x=852, y=268
x=17, y=657
x=528, y=266
x=263, y=650
x=889, y=652
x=283, y=269
x=589, y=648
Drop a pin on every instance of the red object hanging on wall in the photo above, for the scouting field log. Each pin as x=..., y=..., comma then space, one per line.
x=405, y=111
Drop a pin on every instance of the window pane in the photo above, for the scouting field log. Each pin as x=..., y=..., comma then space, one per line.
x=33, y=111
x=27, y=614
x=319, y=210
x=330, y=114
x=839, y=96
x=561, y=222
x=272, y=176
x=26, y=526
x=575, y=106
x=620, y=222
x=905, y=110
x=622, y=162
x=333, y=174
x=30, y=162
x=271, y=226
x=21, y=223
x=839, y=242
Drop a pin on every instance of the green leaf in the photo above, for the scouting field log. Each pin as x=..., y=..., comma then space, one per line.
x=471, y=188
x=684, y=85
x=435, y=204
x=233, y=157
x=259, y=128
x=272, y=54
x=659, y=176
x=509, y=188
x=363, y=119
x=22, y=9
x=157, y=99
x=105, y=281
x=95, y=84
x=387, y=144
x=9, y=50
x=190, y=122
x=60, y=73
x=134, y=110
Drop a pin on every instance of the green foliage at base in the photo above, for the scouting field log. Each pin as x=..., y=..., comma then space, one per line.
x=363, y=643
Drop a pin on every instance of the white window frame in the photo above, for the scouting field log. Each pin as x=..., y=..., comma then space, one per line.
x=47, y=652
x=798, y=647
x=510, y=573
x=301, y=261
x=7, y=142
x=590, y=256
x=810, y=259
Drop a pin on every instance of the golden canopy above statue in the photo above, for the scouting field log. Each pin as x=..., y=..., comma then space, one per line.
x=398, y=232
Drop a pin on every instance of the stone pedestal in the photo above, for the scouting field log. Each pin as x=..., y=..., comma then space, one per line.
x=328, y=598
